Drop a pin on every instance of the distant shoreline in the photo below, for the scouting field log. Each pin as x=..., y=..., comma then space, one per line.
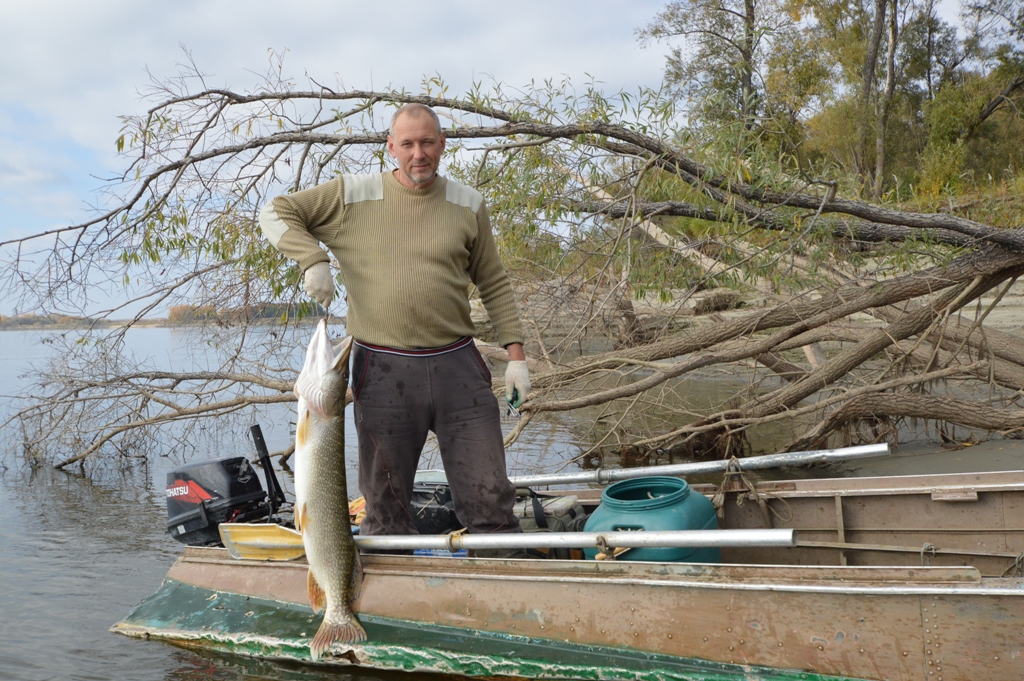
x=8, y=324
x=11, y=325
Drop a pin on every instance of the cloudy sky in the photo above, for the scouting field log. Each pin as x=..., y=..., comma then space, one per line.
x=69, y=69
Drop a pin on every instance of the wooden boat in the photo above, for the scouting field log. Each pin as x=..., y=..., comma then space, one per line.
x=916, y=577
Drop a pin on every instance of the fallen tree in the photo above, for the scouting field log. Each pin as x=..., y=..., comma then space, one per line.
x=614, y=223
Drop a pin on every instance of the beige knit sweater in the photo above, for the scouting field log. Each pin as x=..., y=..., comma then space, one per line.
x=407, y=256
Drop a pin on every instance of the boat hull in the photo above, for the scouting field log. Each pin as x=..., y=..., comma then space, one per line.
x=609, y=620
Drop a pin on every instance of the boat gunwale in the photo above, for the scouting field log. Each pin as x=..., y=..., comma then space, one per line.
x=928, y=483
x=919, y=580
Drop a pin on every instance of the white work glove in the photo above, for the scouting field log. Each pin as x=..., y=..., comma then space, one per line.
x=319, y=284
x=517, y=382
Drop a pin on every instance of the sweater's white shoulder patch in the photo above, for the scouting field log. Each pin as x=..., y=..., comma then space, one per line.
x=363, y=188
x=461, y=195
x=273, y=227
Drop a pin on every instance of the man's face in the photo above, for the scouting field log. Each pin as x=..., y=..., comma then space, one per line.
x=417, y=146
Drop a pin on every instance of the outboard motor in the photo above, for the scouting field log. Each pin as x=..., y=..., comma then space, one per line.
x=202, y=495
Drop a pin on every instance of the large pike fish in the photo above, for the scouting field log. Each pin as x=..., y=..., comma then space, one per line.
x=321, y=492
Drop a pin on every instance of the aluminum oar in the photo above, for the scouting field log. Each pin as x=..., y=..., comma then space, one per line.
x=750, y=463
x=275, y=542
x=583, y=540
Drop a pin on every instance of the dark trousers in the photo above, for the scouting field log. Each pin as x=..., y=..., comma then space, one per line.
x=398, y=399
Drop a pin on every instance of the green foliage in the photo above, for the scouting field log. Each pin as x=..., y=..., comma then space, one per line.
x=809, y=99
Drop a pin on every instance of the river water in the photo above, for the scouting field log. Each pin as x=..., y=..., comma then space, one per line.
x=77, y=552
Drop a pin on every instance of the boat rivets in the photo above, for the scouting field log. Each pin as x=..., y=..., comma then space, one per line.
x=930, y=663
x=577, y=619
x=632, y=609
x=542, y=626
x=572, y=628
x=705, y=639
x=929, y=652
x=927, y=631
x=925, y=619
x=931, y=673
x=670, y=635
x=821, y=647
x=631, y=623
x=780, y=645
x=577, y=606
x=904, y=653
x=997, y=658
x=636, y=633
x=861, y=651
x=741, y=641
x=728, y=607
x=730, y=647
x=729, y=629
x=602, y=631
x=514, y=626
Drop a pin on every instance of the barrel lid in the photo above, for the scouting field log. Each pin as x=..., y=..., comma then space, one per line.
x=643, y=494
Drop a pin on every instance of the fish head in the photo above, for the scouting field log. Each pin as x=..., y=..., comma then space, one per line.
x=323, y=381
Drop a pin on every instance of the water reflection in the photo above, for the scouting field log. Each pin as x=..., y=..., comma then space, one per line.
x=76, y=554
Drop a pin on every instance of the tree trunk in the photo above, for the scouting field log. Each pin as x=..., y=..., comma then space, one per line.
x=885, y=102
x=747, y=106
x=868, y=90
x=914, y=405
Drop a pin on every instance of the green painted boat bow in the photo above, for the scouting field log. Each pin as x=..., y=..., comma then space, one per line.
x=266, y=629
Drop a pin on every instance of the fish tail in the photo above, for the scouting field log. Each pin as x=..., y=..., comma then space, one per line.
x=344, y=630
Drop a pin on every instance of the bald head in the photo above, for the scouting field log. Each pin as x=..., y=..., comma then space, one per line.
x=414, y=111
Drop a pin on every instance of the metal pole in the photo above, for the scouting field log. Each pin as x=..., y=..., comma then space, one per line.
x=750, y=463
x=583, y=540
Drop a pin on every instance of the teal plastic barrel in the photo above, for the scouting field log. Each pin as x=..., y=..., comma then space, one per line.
x=655, y=504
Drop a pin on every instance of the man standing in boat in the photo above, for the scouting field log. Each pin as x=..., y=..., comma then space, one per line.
x=409, y=244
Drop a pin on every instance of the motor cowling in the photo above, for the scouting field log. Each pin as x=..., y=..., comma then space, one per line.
x=204, y=494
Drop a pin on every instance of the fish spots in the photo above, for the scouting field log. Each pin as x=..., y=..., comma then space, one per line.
x=400, y=388
x=385, y=368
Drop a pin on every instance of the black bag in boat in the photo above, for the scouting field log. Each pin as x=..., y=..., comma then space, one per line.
x=433, y=509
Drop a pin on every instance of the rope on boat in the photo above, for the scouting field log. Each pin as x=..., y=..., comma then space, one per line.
x=1017, y=567
x=733, y=470
x=929, y=548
